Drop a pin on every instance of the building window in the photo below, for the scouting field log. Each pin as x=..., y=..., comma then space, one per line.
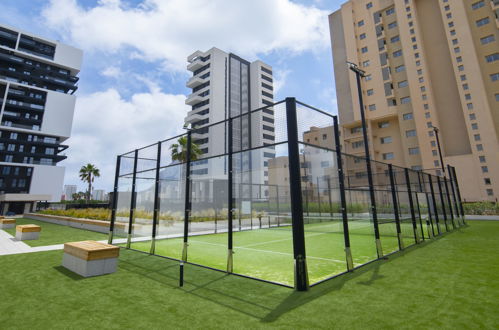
x=414, y=151
x=477, y=5
x=9, y=158
x=470, y=106
x=482, y=159
x=394, y=39
x=463, y=77
x=418, y=63
x=386, y=140
x=474, y=126
x=397, y=53
x=421, y=79
x=388, y=156
x=363, y=50
x=390, y=11
x=431, y=133
x=449, y=15
x=411, y=30
x=368, y=77
x=370, y=92
x=465, y=87
x=369, y=5
x=426, y=107
x=366, y=63
x=460, y=67
x=492, y=58
x=490, y=192
x=383, y=124
x=497, y=97
x=485, y=169
x=372, y=107
x=410, y=133
x=400, y=68
x=403, y=84
x=356, y=130
x=494, y=77
x=467, y=96
x=362, y=36
x=422, y=88
x=482, y=22
x=487, y=181
x=451, y=24
x=434, y=153
x=436, y=163
x=457, y=50
x=429, y=124
x=405, y=100
x=477, y=137
x=452, y=32
x=407, y=116
x=472, y=116
x=487, y=39
x=357, y=144
x=479, y=147
x=392, y=25
x=360, y=23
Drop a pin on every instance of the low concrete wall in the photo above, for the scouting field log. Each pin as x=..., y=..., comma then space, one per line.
x=482, y=217
x=87, y=224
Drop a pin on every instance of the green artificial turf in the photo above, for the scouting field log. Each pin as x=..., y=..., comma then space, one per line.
x=268, y=253
x=450, y=282
x=56, y=234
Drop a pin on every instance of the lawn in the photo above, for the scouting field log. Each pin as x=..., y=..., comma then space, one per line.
x=56, y=234
x=450, y=282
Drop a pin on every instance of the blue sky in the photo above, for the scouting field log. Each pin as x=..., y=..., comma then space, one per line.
x=132, y=83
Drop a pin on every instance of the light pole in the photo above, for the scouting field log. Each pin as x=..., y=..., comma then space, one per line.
x=361, y=73
x=436, y=130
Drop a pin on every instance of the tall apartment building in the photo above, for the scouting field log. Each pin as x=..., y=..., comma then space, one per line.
x=428, y=63
x=226, y=86
x=69, y=191
x=37, y=82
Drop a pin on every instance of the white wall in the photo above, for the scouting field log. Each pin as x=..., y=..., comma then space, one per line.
x=47, y=180
x=58, y=115
x=68, y=56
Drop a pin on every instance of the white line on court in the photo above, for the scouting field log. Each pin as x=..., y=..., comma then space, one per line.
x=267, y=251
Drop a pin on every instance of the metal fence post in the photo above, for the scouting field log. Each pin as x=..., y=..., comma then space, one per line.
x=230, y=199
x=442, y=200
x=155, y=215
x=133, y=200
x=395, y=207
x=411, y=205
x=458, y=191
x=343, y=209
x=301, y=273
x=446, y=185
x=187, y=196
x=454, y=197
x=432, y=191
x=115, y=200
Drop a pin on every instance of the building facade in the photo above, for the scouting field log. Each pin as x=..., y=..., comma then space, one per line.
x=227, y=86
x=37, y=80
x=69, y=191
x=430, y=66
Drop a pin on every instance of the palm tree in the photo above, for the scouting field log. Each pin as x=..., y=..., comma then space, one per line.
x=87, y=174
x=179, y=150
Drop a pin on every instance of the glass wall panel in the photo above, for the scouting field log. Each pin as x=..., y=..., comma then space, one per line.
x=263, y=240
x=324, y=239
x=124, y=194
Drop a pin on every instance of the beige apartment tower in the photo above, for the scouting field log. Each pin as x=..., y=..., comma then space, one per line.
x=429, y=64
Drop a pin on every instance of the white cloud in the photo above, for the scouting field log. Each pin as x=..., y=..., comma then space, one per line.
x=280, y=78
x=170, y=30
x=106, y=125
x=112, y=72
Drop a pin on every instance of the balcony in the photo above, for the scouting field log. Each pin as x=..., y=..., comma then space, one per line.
x=196, y=64
x=193, y=117
x=195, y=98
x=195, y=81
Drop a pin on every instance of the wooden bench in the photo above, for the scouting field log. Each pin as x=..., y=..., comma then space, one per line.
x=7, y=223
x=27, y=232
x=90, y=258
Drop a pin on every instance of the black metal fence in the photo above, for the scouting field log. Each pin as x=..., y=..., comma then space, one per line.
x=294, y=212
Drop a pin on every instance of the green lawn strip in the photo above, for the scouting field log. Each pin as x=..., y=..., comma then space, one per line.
x=56, y=234
x=450, y=282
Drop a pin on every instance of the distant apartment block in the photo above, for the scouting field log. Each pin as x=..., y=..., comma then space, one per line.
x=69, y=191
x=99, y=195
x=428, y=64
x=37, y=80
x=227, y=86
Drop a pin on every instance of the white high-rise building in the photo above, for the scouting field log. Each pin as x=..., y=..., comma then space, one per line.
x=37, y=80
x=227, y=86
x=69, y=190
x=99, y=194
